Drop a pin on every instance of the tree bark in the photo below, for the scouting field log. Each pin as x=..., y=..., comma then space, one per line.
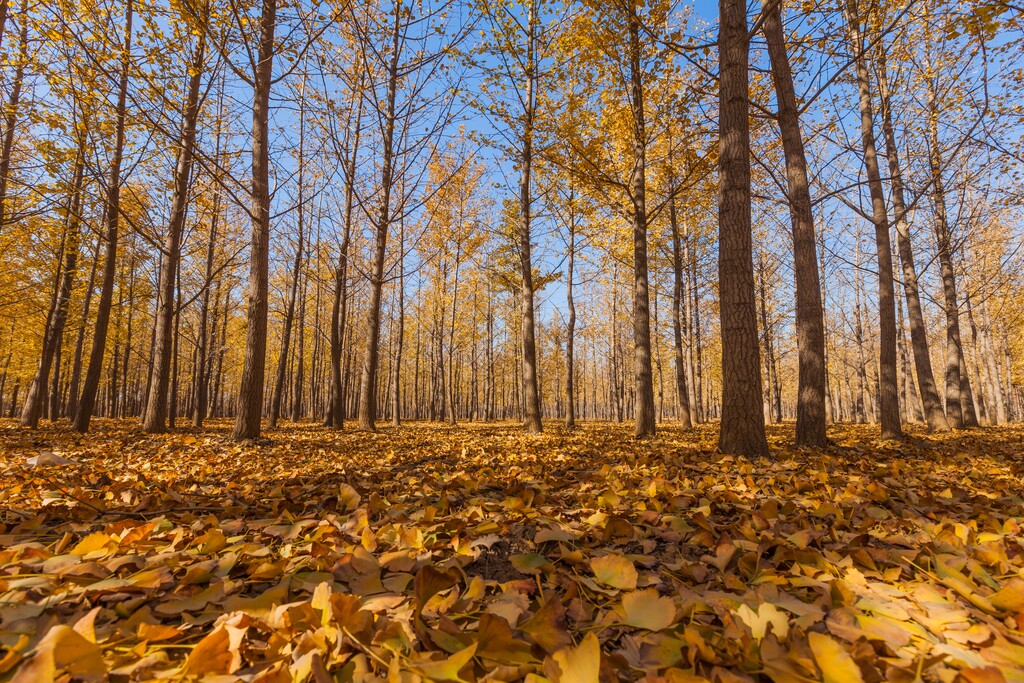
x=570, y=329
x=76, y=364
x=368, y=380
x=531, y=392
x=396, y=389
x=988, y=352
x=11, y=119
x=155, y=419
x=682, y=390
x=293, y=293
x=336, y=401
x=206, y=336
x=250, y=391
x=300, y=353
x=112, y=211
x=35, y=399
x=956, y=386
x=933, y=413
x=810, y=326
x=645, y=410
x=742, y=420
x=888, y=390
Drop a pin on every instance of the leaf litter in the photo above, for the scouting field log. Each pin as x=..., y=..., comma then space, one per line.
x=430, y=553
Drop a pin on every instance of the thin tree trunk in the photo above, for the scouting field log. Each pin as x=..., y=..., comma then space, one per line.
x=76, y=366
x=570, y=330
x=810, y=326
x=300, y=353
x=172, y=399
x=371, y=356
x=530, y=391
x=3, y=23
x=396, y=391
x=829, y=411
x=645, y=410
x=888, y=393
x=336, y=403
x=155, y=419
x=54, y=395
x=934, y=415
x=293, y=294
x=999, y=401
x=774, y=409
x=959, y=409
x=682, y=390
x=112, y=211
x=205, y=335
x=250, y=391
x=53, y=333
x=13, y=100
x=860, y=403
x=979, y=381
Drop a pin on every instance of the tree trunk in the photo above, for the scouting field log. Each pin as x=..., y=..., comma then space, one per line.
x=293, y=294
x=999, y=411
x=35, y=399
x=933, y=413
x=955, y=403
x=336, y=402
x=984, y=398
x=531, y=392
x=742, y=420
x=368, y=380
x=859, y=406
x=570, y=329
x=250, y=391
x=810, y=326
x=155, y=419
x=300, y=353
x=76, y=365
x=682, y=390
x=396, y=389
x=205, y=336
x=888, y=391
x=172, y=399
x=11, y=120
x=772, y=397
x=112, y=211
x=645, y=411
x=3, y=23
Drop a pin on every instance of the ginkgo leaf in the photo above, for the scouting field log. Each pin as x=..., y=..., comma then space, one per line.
x=62, y=651
x=94, y=543
x=648, y=610
x=579, y=664
x=615, y=570
x=217, y=653
x=767, y=615
x=1010, y=597
x=449, y=669
x=835, y=662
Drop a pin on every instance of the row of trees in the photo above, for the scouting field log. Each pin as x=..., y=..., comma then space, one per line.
x=454, y=210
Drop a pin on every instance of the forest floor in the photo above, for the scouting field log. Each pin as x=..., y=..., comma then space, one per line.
x=478, y=553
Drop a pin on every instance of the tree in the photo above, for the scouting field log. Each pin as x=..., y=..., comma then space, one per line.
x=36, y=398
x=155, y=419
x=112, y=214
x=888, y=394
x=250, y=392
x=742, y=426
x=810, y=327
x=933, y=412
